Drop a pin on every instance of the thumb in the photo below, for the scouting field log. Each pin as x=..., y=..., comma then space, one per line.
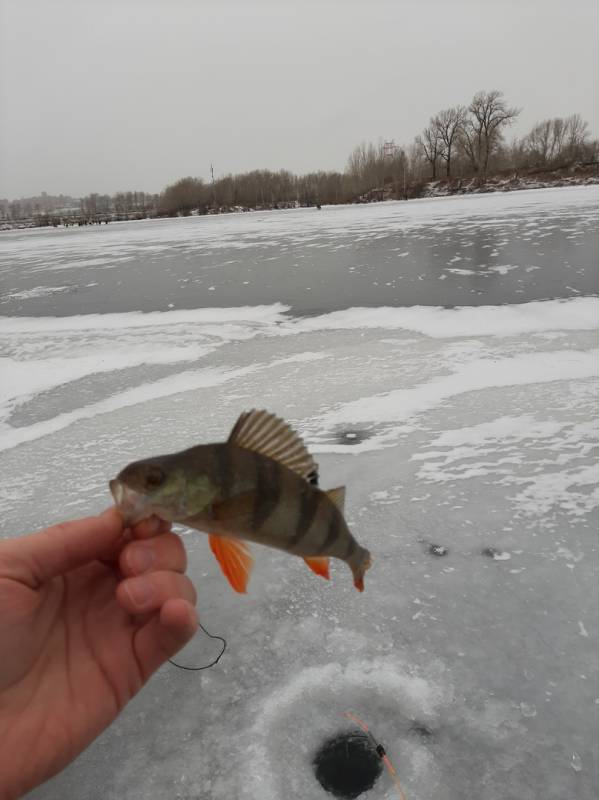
x=164, y=635
x=41, y=556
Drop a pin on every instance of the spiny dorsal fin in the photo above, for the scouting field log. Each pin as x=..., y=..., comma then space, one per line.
x=337, y=496
x=268, y=435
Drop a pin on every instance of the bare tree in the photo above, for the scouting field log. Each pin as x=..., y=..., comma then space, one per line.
x=366, y=167
x=545, y=142
x=541, y=145
x=432, y=145
x=556, y=142
x=16, y=209
x=89, y=205
x=183, y=196
x=448, y=124
x=577, y=134
x=482, y=131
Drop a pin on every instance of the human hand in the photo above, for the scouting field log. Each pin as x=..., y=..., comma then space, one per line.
x=80, y=634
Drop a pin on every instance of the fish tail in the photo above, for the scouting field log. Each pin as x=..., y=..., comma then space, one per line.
x=359, y=565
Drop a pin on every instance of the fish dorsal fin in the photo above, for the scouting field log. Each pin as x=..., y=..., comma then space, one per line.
x=337, y=496
x=268, y=435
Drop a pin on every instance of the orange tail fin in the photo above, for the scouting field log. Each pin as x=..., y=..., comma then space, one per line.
x=360, y=569
x=319, y=565
x=235, y=560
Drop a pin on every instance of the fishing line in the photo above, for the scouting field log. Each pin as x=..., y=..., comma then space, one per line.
x=212, y=663
x=380, y=750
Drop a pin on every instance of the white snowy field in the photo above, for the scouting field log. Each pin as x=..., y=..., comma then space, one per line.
x=472, y=428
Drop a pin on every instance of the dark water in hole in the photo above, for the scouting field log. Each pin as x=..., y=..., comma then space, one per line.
x=438, y=550
x=347, y=765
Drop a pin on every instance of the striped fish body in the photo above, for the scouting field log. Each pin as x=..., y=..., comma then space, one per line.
x=259, y=486
x=262, y=501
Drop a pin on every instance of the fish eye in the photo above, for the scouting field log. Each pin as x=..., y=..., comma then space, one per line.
x=155, y=477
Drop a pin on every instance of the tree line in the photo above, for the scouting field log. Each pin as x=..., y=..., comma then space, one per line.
x=469, y=142
x=463, y=141
x=49, y=209
x=475, y=134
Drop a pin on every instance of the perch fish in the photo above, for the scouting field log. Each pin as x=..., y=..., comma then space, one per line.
x=258, y=486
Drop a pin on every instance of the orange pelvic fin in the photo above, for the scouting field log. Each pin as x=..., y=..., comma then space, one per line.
x=319, y=565
x=235, y=560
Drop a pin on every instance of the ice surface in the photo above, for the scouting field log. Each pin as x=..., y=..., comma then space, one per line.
x=455, y=251
x=474, y=429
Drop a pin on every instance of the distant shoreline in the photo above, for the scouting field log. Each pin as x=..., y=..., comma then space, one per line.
x=579, y=175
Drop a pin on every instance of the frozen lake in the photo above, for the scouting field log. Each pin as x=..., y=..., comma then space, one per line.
x=474, y=428
x=473, y=250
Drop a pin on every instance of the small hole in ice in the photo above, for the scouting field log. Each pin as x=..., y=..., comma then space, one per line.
x=438, y=550
x=421, y=730
x=351, y=436
x=497, y=555
x=347, y=765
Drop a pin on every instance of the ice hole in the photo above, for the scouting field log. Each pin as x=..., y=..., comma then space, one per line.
x=347, y=765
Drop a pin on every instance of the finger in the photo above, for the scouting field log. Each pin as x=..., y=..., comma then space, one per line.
x=111, y=557
x=41, y=556
x=165, y=634
x=150, y=527
x=165, y=552
x=149, y=592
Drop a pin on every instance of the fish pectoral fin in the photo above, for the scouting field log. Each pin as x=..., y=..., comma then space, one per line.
x=319, y=565
x=235, y=560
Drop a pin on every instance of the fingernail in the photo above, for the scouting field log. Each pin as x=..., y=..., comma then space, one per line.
x=165, y=526
x=153, y=525
x=140, y=591
x=140, y=558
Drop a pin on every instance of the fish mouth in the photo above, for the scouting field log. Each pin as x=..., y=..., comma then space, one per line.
x=134, y=506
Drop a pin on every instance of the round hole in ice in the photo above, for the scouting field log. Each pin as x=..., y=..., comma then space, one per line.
x=490, y=552
x=347, y=765
x=354, y=436
x=438, y=549
x=421, y=730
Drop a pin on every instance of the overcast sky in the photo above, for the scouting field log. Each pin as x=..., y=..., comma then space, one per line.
x=133, y=94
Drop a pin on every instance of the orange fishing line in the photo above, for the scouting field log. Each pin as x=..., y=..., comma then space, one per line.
x=380, y=750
